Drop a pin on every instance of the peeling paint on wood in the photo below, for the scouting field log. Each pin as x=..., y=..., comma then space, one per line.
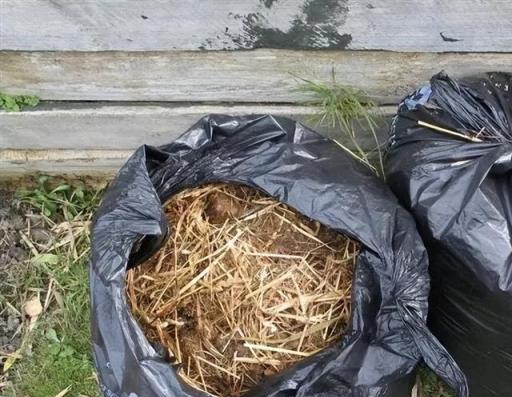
x=242, y=76
x=159, y=25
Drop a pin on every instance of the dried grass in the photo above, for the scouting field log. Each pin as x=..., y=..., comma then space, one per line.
x=244, y=287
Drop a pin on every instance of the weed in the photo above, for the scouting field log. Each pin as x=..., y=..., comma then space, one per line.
x=56, y=354
x=15, y=103
x=430, y=385
x=61, y=200
x=344, y=107
x=60, y=356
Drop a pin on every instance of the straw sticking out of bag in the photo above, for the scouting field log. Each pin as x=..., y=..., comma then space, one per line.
x=449, y=132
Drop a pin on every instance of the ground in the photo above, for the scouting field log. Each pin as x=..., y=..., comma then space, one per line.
x=44, y=304
x=43, y=260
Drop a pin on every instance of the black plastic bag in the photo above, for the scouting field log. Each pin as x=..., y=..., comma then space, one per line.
x=459, y=189
x=387, y=337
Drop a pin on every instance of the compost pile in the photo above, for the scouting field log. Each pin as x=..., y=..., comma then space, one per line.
x=244, y=287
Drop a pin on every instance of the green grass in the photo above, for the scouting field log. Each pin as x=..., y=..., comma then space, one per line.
x=431, y=386
x=15, y=103
x=56, y=354
x=346, y=108
x=60, y=356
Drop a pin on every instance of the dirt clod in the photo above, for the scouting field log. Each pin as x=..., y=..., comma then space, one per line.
x=220, y=207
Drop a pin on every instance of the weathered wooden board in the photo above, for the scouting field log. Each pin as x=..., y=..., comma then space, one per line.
x=127, y=25
x=120, y=127
x=61, y=162
x=91, y=139
x=241, y=76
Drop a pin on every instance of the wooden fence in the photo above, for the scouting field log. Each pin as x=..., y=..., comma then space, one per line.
x=116, y=74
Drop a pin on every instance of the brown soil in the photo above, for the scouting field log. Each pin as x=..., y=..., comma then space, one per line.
x=244, y=287
x=13, y=255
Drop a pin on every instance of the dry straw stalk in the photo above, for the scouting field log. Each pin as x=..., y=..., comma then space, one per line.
x=244, y=287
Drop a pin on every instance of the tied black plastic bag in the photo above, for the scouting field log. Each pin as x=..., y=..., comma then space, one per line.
x=387, y=336
x=455, y=175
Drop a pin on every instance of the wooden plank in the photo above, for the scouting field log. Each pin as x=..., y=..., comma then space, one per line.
x=126, y=25
x=61, y=162
x=123, y=127
x=241, y=76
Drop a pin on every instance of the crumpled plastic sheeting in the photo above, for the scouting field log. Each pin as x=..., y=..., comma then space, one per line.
x=387, y=336
x=460, y=194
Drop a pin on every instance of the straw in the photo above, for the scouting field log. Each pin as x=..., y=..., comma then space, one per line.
x=244, y=288
x=467, y=137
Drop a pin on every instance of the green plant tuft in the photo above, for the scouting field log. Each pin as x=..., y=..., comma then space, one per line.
x=15, y=103
x=61, y=201
x=344, y=107
x=430, y=385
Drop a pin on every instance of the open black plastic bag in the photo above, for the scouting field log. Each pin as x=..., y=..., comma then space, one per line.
x=459, y=188
x=387, y=336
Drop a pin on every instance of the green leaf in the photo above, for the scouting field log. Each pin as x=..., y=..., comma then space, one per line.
x=49, y=207
x=11, y=359
x=14, y=103
x=10, y=105
x=28, y=100
x=54, y=349
x=43, y=179
x=46, y=259
x=41, y=196
x=79, y=192
x=51, y=335
x=61, y=188
x=66, y=351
